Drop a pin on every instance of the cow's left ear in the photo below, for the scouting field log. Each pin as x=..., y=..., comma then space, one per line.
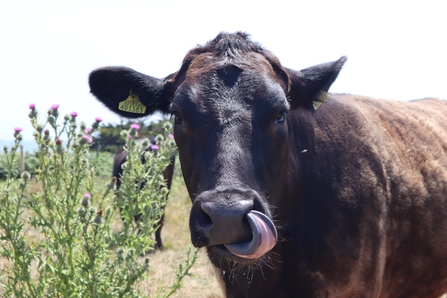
x=129, y=93
x=309, y=86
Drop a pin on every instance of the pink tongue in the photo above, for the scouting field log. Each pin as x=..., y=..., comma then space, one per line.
x=264, y=237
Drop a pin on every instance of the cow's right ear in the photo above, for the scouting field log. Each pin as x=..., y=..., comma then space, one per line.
x=129, y=93
x=309, y=86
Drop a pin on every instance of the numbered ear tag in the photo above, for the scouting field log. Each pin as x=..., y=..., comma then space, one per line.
x=132, y=104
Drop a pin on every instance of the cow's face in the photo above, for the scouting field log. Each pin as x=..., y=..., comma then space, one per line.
x=231, y=131
x=230, y=102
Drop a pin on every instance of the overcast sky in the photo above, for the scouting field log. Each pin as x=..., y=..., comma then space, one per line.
x=395, y=49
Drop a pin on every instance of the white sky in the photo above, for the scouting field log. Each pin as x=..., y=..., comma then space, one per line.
x=395, y=49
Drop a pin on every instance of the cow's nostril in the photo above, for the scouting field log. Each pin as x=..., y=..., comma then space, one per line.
x=204, y=220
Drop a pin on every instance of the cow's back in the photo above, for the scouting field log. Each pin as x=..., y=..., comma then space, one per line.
x=415, y=159
x=390, y=163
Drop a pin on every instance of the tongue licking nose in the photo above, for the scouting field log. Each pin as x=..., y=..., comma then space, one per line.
x=264, y=237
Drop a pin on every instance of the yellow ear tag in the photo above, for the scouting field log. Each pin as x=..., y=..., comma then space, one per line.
x=132, y=104
x=321, y=98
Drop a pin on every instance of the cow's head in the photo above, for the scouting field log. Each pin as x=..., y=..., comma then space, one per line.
x=230, y=101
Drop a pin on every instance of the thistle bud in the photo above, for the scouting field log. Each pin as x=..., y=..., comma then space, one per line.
x=164, y=190
x=98, y=218
x=130, y=253
x=133, y=132
x=170, y=143
x=81, y=212
x=120, y=254
x=167, y=126
x=145, y=143
x=86, y=200
x=32, y=114
x=26, y=176
x=59, y=147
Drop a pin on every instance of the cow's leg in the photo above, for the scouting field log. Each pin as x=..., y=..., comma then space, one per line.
x=159, y=244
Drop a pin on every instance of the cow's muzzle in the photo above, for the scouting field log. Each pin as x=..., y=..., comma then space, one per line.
x=232, y=221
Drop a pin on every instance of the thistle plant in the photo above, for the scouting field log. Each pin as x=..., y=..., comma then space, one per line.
x=79, y=253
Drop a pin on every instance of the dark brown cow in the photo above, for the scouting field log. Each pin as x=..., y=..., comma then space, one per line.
x=168, y=173
x=297, y=192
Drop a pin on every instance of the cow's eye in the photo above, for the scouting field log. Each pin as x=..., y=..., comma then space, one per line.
x=177, y=119
x=281, y=117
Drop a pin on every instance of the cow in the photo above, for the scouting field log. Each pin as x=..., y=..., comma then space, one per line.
x=168, y=173
x=298, y=192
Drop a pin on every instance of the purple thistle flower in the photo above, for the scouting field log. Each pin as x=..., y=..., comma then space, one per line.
x=55, y=106
x=73, y=114
x=171, y=136
x=87, y=195
x=87, y=138
x=98, y=119
x=32, y=106
x=17, y=129
x=88, y=130
x=155, y=147
x=135, y=126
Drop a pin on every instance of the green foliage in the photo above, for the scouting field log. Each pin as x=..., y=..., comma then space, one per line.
x=102, y=162
x=31, y=164
x=74, y=216
x=109, y=138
